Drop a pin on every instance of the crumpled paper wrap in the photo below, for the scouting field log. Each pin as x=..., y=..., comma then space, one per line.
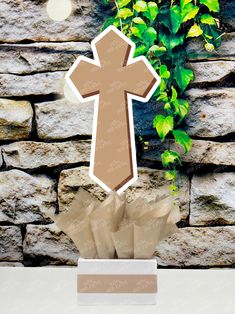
x=115, y=228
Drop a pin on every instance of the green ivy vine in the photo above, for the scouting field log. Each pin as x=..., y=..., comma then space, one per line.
x=161, y=30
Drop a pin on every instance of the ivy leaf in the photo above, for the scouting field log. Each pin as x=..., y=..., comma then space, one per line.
x=125, y=28
x=183, y=76
x=169, y=40
x=164, y=73
x=161, y=91
x=140, y=24
x=183, y=139
x=157, y=51
x=140, y=6
x=139, y=27
x=181, y=107
x=135, y=31
x=150, y=35
x=167, y=106
x=140, y=50
x=175, y=16
x=176, y=41
x=122, y=3
x=171, y=18
x=170, y=175
x=174, y=94
x=189, y=11
x=152, y=11
x=164, y=38
x=110, y=21
x=164, y=17
x=138, y=20
x=170, y=157
x=211, y=32
x=213, y=5
x=173, y=188
x=194, y=31
x=154, y=62
x=184, y=2
x=124, y=13
x=163, y=97
x=163, y=125
x=209, y=47
x=208, y=19
x=162, y=86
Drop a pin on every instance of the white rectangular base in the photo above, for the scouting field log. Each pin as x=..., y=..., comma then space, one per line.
x=117, y=281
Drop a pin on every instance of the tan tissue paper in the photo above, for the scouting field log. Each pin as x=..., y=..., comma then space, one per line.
x=115, y=228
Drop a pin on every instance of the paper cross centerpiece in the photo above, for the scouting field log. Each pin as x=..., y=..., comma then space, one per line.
x=113, y=79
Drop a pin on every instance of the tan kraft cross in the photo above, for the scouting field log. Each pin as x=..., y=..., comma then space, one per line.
x=113, y=78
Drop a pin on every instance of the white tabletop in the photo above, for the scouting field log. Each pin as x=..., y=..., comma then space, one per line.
x=53, y=291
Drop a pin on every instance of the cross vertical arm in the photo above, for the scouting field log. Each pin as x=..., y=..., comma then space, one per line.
x=112, y=79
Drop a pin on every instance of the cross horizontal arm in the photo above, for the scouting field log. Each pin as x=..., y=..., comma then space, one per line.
x=85, y=77
x=139, y=78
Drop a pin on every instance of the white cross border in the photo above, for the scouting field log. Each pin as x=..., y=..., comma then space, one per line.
x=96, y=62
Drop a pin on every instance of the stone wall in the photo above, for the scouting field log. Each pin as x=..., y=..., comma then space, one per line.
x=45, y=141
